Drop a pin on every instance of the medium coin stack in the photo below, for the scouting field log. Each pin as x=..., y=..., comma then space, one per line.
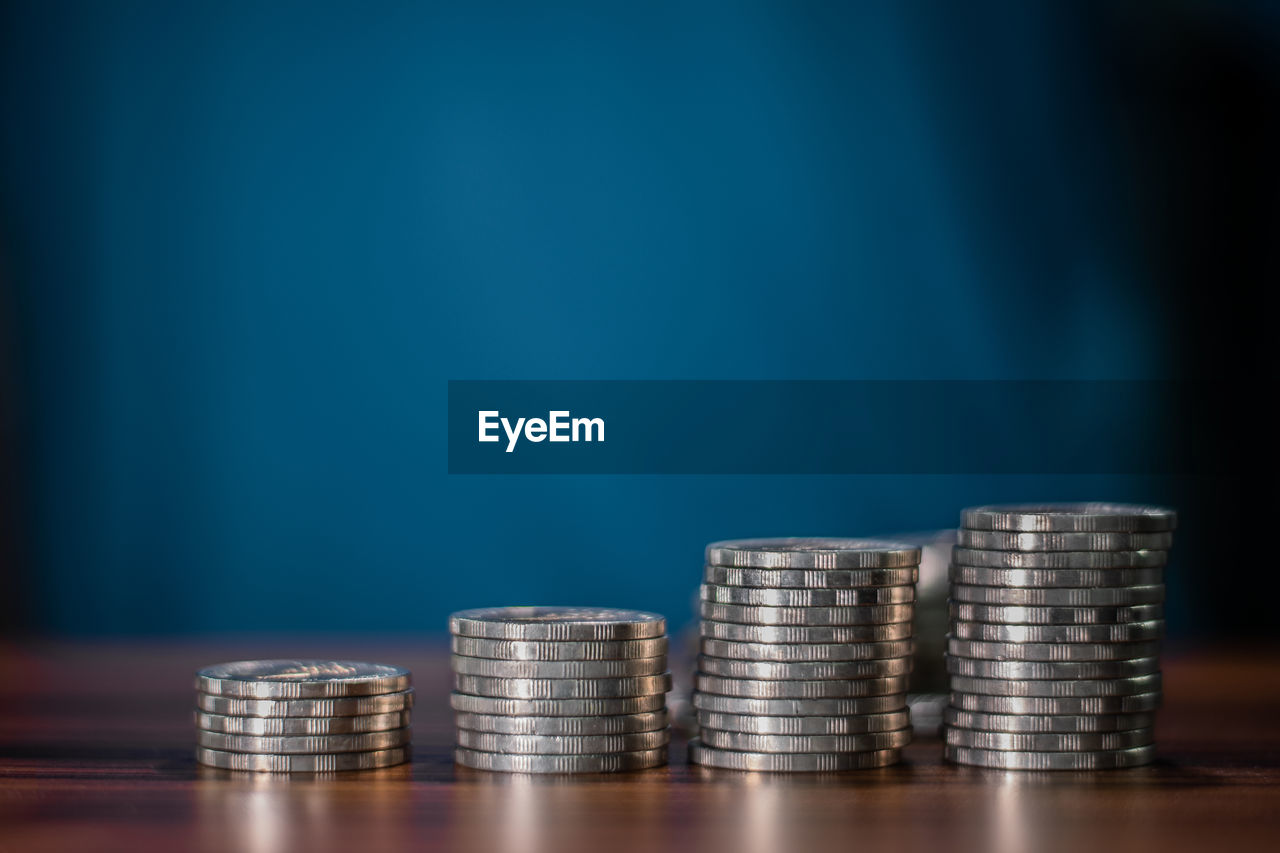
x=806, y=648
x=289, y=716
x=560, y=689
x=1056, y=619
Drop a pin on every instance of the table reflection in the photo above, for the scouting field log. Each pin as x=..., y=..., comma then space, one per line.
x=268, y=812
x=523, y=813
x=917, y=805
x=1061, y=810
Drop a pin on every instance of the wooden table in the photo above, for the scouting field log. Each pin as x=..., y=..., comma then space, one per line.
x=96, y=754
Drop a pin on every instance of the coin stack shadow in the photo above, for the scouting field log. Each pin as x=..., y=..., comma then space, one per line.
x=290, y=716
x=560, y=689
x=806, y=649
x=1056, y=620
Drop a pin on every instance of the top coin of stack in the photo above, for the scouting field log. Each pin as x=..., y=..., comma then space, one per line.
x=1056, y=619
x=560, y=689
x=806, y=647
x=302, y=715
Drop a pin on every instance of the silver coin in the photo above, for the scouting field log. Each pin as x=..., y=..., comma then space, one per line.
x=1068, y=517
x=749, y=688
x=613, y=762
x=563, y=688
x=304, y=744
x=1000, y=540
x=804, y=670
x=556, y=707
x=808, y=597
x=280, y=726
x=746, y=742
x=1144, y=559
x=809, y=578
x=1048, y=724
x=330, y=763
x=300, y=679
x=1049, y=670
x=557, y=623
x=1054, y=615
x=625, y=668
x=384, y=703
x=810, y=652
x=562, y=744
x=1112, y=596
x=847, y=725
x=578, y=650
x=1136, y=703
x=813, y=553
x=1069, y=578
x=1129, y=632
x=1059, y=688
x=784, y=762
x=611, y=725
x=1051, y=760
x=1051, y=651
x=799, y=707
x=871, y=614
x=805, y=634
x=1053, y=742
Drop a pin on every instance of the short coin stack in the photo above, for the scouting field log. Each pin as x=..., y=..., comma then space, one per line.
x=806, y=649
x=1056, y=619
x=560, y=689
x=290, y=716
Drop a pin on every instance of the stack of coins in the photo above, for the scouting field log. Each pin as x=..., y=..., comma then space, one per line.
x=289, y=716
x=806, y=648
x=1056, y=618
x=560, y=689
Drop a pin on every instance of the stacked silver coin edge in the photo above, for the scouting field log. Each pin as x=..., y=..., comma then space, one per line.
x=806, y=650
x=559, y=689
x=1056, y=621
x=302, y=716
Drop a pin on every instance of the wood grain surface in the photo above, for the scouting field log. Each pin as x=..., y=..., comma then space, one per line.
x=96, y=754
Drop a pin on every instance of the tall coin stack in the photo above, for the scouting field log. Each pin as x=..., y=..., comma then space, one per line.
x=806, y=648
x=312, y=716
x=1056, y=619
x=560, y=689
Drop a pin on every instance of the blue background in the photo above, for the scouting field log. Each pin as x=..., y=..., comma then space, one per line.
x=248, y=244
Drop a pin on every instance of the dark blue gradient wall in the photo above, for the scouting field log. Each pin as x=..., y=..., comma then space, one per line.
x=246, y=245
